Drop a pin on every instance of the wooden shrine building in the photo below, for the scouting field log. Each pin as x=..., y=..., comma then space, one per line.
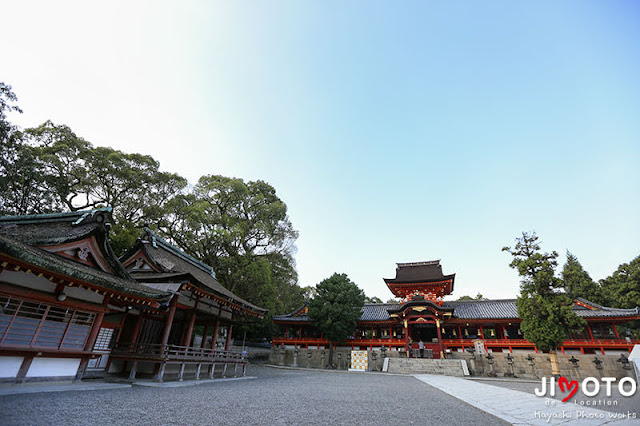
x=445, y=326
x=69, y=307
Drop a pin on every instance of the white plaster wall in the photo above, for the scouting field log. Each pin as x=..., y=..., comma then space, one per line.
x=27, y=280
x=10, y=365
x=53, y=367
x=616, y=352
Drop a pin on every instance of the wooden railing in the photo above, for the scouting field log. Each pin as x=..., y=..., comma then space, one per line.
x=173, y=353
x=347, y=342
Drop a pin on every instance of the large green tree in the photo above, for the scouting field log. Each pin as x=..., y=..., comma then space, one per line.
x=243, y=231
x=240, y=228
x=546, y=312
x=578, y=283
x=622, y=290
x=336, y=309
x=53, y=169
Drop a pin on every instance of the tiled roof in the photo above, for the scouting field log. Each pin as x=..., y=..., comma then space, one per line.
x=57, y=264
x=419, y=272
x=174, y=262
x=376, y=311
x=483, y=309
x=506, y=309
x=475, y=309
x=52, y=229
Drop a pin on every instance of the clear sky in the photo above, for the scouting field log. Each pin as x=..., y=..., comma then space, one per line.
x=394, y=131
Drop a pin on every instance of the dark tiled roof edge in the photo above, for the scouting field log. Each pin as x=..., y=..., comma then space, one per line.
x=62, y=266
x=156, y=239
x=55, y=217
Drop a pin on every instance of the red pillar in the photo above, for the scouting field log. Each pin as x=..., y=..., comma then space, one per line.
x=91, y=340
x=136, y=331
x=204, y=336
x=590, y=333
x=214, y=337
x=481, y=332
x=88, y=346
x=189, y=331
x=459, y=332
x=228, y=342
x=615, y=330
x=169, y=321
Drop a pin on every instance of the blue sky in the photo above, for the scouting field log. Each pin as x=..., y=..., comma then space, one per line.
x=393, y=132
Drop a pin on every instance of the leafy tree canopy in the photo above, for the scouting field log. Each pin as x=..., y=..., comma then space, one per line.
x=578, y=283
x=373, y=299
x=239, y=228
x=478, y=297
x=336, y=309
x=623, y=286
x=546, y=312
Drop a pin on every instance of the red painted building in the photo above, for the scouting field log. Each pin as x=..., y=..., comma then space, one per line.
x=445, y=326
x=69, y=307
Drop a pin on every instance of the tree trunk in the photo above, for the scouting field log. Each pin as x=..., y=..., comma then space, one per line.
x=555, y=368
x=331, y=354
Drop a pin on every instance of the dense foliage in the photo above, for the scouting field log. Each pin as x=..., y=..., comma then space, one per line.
x=578, y=283
x=546, y=311
x=336, y=308
x=239, y=228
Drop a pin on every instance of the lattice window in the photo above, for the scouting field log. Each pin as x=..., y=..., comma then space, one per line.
x=33, y=324
x=103, y=340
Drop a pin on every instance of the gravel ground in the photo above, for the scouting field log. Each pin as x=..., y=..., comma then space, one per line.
x=276, y=397
x=624, y=404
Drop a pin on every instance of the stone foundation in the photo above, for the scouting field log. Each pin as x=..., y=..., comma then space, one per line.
x=319, y=358
x=535, y=366
x=519, y=365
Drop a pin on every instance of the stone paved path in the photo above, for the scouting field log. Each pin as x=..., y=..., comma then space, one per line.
x=275, y=397
x=522, y=408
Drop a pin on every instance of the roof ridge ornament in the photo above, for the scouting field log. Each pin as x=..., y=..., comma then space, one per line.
x=422, y=263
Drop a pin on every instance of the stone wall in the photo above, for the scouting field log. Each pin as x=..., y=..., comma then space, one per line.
x=535, y=366
x=529, y=366
x=319, y=358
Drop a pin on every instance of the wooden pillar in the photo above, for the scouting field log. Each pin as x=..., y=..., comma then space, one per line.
x=165, y=336
x=481, y=332
x=134, y=369
x=189, y=332
x=440, y=339
x=504, y=332
x=214, y=337
x=136, y=331
x=228, y=342
x=169, y=321
x=24, y=368
x=204, y=336
x=590, y=333
x=615, y=330
x=91, y=340
x=300, y=333
x=93, y=334
x=459, y=332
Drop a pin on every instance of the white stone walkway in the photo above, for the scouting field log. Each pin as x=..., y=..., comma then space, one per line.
x=520, y=408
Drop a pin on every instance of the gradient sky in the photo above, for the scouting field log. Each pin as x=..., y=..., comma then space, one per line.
x=394, y=132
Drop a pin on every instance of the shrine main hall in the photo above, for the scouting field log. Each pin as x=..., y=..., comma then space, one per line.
x=453, y=326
